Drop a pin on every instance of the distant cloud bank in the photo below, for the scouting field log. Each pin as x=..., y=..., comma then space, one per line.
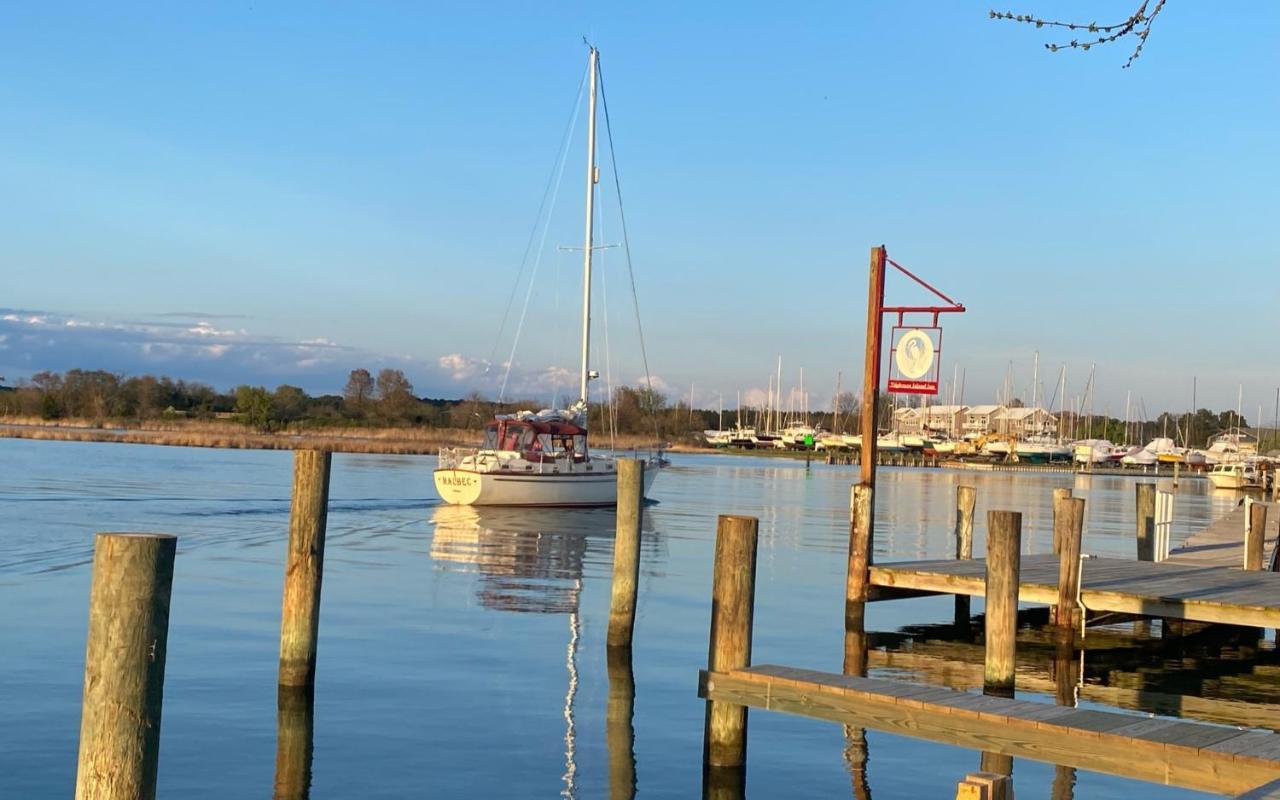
x=222, y=350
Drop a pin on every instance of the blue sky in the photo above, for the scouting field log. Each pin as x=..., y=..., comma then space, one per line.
x=281, y=192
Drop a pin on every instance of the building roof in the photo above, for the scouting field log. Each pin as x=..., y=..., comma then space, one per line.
x=983, y=409
x=1021, y=413
x=946, y=409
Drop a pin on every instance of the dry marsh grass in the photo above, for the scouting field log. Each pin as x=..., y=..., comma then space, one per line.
x=391, y=440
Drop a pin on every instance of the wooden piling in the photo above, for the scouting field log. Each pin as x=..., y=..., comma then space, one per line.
x=626, y=552
x=966, y=500
x=295, y=737
x=1068, y=528
x=861, y=503
x=985, y=786
x=619, y=731
x=1145, y=496
x=304, y=568
x=1255, y=536
x=124, y=666
x=733, y=589
x=1059, y=495
x=1004, y=545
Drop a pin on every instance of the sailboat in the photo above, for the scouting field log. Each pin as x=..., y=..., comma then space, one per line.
x=541, y=458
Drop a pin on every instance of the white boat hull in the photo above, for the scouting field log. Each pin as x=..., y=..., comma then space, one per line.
x=470, y=488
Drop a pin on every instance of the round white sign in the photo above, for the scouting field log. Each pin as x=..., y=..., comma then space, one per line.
x=914, y=354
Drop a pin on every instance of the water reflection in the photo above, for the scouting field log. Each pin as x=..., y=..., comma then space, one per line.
x=533, y=561
x=619, y=732
x=528, y=559
x=295, y=733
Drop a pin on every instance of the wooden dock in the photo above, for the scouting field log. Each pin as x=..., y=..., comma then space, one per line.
x=1222, y=543
x=1210, y=758
x=1171, y=590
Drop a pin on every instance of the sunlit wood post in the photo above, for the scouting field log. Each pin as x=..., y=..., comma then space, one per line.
x=626, y=552
x=124, y=666
x=1059, y=495
x=733, y=589
x=1146, y=521
x=871, y=365
x=1255, y=536
x=862, y=500
x=966, y=501
x=304, y=568
x=1068, y=527
x=1004, y=543
x=985, y=786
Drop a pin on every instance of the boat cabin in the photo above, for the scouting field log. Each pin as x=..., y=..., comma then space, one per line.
x=537, y=440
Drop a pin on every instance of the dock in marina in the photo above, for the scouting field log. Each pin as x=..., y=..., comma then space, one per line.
x=1185, y=591
x=1221, y=544
x=1209, y=758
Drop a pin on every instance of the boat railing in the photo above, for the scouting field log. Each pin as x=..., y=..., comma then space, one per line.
x=452, y=457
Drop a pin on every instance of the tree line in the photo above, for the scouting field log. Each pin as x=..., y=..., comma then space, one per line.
x=383, y=398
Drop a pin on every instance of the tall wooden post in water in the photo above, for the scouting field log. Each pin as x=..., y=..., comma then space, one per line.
x=871, y=365
x=1059, y=494
x=966, y=501
x=1145, y=500
x=626, y=552
x=304, y=568
x=124, y=666
x=1255, y=536
x=1068, y=527
x=1004, y=546
x=733, y=591
x=862, y=501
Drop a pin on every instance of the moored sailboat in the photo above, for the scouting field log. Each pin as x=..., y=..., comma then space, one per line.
x=542, y=458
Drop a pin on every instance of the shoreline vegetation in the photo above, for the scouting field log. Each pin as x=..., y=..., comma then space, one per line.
x=390, y=440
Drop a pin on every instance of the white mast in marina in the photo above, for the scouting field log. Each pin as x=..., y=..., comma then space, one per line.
x=593, y=176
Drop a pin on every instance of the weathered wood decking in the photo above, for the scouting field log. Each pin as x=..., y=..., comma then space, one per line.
x=1208, y=758
x=1176, y=591
x=1222, y=543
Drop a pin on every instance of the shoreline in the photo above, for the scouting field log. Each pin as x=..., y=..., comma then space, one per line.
x=230, y=436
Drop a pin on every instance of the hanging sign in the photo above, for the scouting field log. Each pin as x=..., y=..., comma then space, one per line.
x=915, y=358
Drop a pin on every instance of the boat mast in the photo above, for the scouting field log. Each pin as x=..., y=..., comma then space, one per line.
x=592, y=177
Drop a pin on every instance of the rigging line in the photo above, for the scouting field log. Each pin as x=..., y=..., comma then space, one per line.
x=542, y=206
x=626, y=247
x=542, y=246
x=608, y=350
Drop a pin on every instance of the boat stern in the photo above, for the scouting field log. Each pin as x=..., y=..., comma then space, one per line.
x=458, y=487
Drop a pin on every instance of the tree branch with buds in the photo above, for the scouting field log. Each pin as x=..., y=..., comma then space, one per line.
x=1138, y=25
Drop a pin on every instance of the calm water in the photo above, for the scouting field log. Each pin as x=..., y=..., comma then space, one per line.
x=462, y=652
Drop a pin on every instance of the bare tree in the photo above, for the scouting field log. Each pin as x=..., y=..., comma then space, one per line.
x=358, y=391
x=1138, y=25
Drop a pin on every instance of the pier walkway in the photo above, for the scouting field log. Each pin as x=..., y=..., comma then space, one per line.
x=1222, y=543
x=1210, y=758
x=1197, y=593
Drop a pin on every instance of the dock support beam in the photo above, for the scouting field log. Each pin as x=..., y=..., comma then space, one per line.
x=124, y=666
x=1146, y=521
x=966, y=501
x=733, y=590
x=1004, y=547
x=626, y=552
x=304, y=568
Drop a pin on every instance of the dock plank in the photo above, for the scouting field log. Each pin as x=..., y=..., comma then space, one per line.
x=1175, y=590
x=1194, y=755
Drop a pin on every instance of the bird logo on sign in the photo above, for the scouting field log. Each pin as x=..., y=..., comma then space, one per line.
x=914, y=354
